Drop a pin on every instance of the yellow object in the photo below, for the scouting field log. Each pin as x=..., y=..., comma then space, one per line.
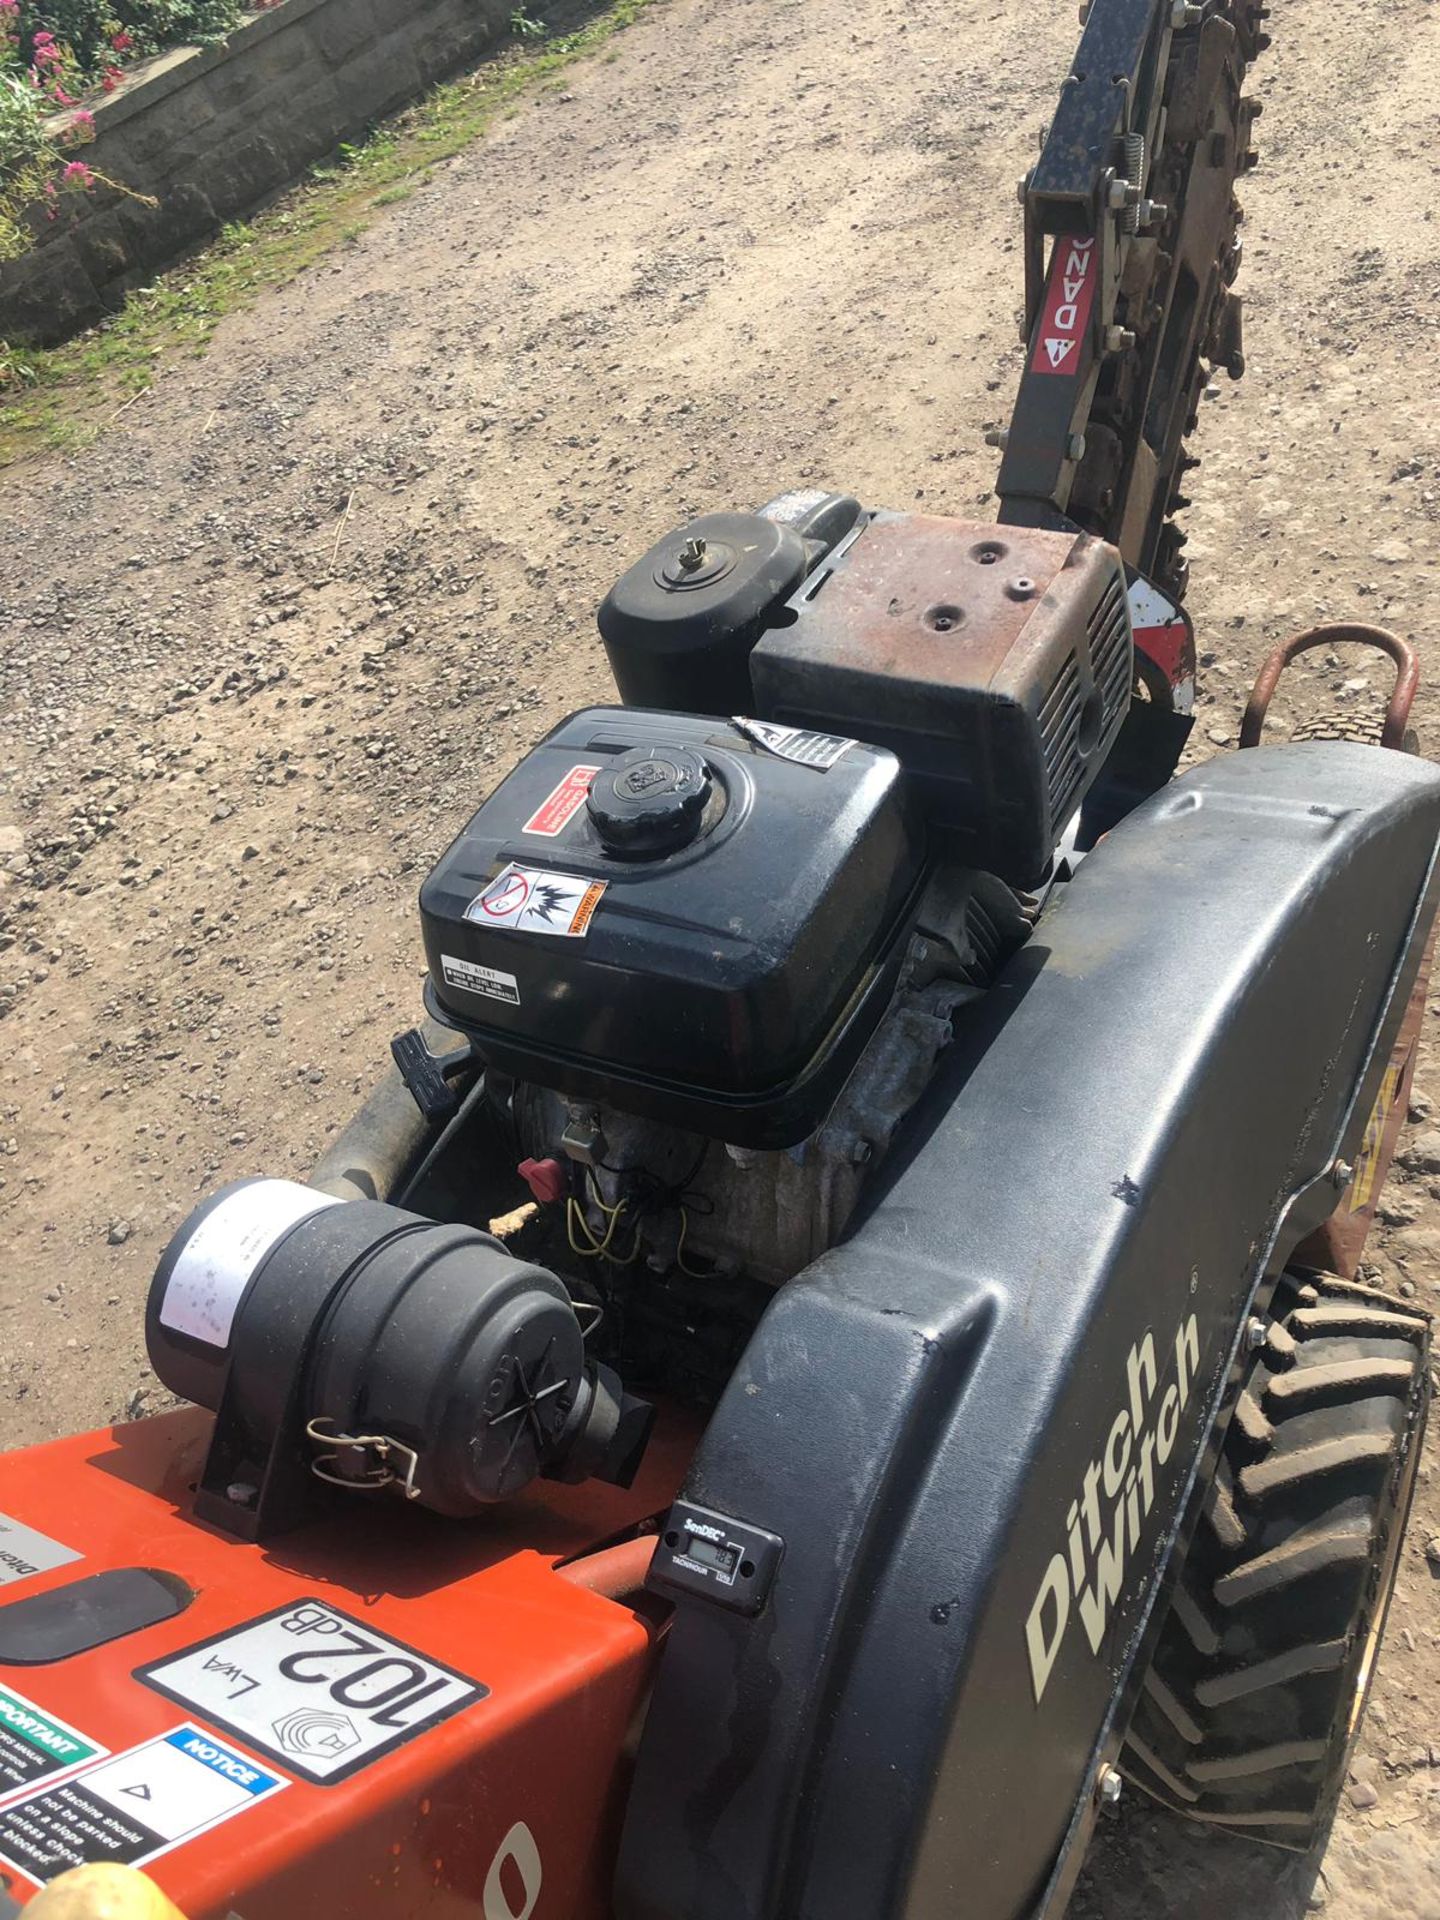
x=102, y=1893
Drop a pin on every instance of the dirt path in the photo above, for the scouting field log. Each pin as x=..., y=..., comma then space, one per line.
x=768, y=242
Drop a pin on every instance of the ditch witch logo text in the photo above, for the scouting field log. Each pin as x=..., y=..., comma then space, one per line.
x=1105, y=1519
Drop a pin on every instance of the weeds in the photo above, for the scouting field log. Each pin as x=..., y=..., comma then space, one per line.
x=62, y=397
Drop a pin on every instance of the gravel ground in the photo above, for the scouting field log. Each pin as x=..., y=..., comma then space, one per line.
x=265, y=644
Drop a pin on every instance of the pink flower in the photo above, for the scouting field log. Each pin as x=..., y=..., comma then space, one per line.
x=61, y=97
x=120, y=41
x=85, y=121
x=110, y=78
x=77, y=174
x=44, y=38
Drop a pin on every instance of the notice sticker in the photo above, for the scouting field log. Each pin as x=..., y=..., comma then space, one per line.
x=534, y=901
x=487, y=980
x=129, y=1809
x=799, y=744
x=24, y=1552
x=556, y=813
x=34, y=1744
x=216, y=1263
x=317, y=1689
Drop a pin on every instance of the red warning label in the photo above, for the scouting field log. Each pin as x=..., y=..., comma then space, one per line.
x=1069, y=299
x=556, y=813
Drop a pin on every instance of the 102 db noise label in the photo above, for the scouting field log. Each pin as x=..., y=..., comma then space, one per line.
x=315, y=1688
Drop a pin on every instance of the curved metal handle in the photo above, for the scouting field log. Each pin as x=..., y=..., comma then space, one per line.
x=1407, y=677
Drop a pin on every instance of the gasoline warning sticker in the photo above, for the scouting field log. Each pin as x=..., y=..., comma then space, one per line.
x=474, y=979
x=35, y=1744
x=552, y=816
x=130, y=1808
x=534, y=901
x=24, y=1552
x=317, y=1689
x=807, y=749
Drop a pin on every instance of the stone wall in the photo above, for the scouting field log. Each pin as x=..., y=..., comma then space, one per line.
x=213, y=132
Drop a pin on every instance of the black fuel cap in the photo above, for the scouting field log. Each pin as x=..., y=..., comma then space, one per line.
x=651, y=801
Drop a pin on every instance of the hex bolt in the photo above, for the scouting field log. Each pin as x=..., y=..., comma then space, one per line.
x=1341, y=1174
x=1075, y=447
x=1153, y=213
x=1118, y=339
x=861, y=1153
x=1255, y=1332
x=1122, y=194
x=1184, y=14
x=997, y=437
x=1109, y=1786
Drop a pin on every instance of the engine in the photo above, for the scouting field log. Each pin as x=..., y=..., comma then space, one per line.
x=716, y=940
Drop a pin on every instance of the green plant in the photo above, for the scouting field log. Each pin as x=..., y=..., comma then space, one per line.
x=527, y=28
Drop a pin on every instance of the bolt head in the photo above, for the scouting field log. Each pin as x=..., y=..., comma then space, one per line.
x=1109, y=1786
x=1341, y=1174
x=1254, y=1332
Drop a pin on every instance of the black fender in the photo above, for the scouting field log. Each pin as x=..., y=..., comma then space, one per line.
x=980, y=1426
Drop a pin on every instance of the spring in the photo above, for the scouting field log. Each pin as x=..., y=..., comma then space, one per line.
x=1135, y=174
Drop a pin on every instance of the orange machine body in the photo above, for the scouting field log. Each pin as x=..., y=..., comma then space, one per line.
x=508, y=1808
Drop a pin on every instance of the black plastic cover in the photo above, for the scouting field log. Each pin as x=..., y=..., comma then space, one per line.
x=726, y=986
x=977, y=1425
x=679, y=626
x=87, y=1612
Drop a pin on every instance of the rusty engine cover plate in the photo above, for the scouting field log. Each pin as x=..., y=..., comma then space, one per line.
x=995, y=661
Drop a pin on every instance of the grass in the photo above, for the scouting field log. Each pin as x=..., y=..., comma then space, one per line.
x=63, y=397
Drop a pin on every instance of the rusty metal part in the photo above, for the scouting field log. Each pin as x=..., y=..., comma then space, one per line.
x=1407, y=677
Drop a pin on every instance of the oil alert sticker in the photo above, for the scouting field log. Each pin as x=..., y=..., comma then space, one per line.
x=322, y=1693
x=128, y=1809
x=535, y=901
x=555, y=814
x=485, y=980
x=1068, y=303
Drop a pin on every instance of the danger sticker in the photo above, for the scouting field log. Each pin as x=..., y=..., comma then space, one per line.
x=556, y=813
x=34, y=1744
x=799, y=744
x=24, y=1552
x=322, y=1693
x=1069, y=299
x=130, y=1808
x=487, y=980
x=534, y=901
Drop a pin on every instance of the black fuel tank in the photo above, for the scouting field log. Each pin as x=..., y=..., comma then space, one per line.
x=695, y=919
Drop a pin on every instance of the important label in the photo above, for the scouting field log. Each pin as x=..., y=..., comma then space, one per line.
x=24, y=1552
x=799, y=744
x=487, y=980
x=216, y=1263
x=322, y=1693
x=556, y=813
x=534, y=901
x=34, y=1744
x=129, y=1809
x=1069, y=299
